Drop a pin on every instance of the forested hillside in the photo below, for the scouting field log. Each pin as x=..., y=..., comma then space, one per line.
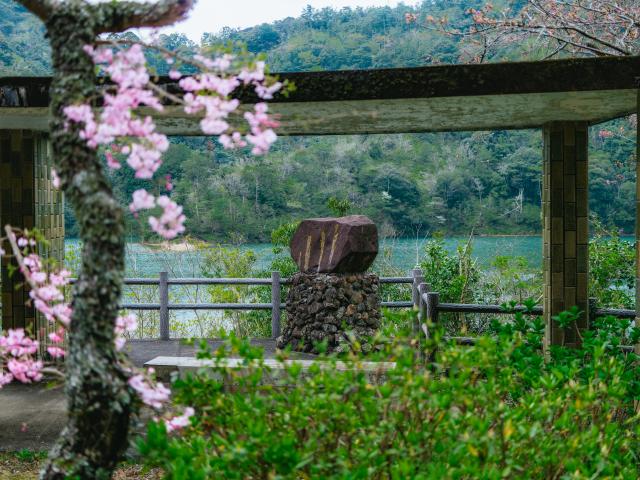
x=485, y=181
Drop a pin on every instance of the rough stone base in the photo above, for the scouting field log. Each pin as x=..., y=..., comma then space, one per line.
x=337, y=308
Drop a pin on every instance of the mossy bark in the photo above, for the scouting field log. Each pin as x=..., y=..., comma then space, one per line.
x=100, y=403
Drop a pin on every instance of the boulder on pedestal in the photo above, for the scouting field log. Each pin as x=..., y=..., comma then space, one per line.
x=335, y=245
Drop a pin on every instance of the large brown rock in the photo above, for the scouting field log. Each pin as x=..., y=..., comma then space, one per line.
x=335, y=245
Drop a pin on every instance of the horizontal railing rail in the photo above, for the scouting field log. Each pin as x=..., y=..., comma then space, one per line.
x=427, y=303
x=429, y=309
x=163, y=282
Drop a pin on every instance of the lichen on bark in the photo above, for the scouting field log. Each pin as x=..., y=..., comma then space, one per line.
x=100, y=403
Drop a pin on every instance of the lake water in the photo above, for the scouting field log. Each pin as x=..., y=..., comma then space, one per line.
x=143, y=261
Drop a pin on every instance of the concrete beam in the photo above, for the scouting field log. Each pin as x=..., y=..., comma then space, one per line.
x=511, y=95
x=416, y=115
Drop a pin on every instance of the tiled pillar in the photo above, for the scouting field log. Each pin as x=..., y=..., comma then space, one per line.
x=565, y=210
x=637, y=319
x=27, y=200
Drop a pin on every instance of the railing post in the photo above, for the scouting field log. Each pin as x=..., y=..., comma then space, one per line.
x=593, y=305
x=423, y=288
x=275, y=304
x=433, y=299
x=164, y=306
x=416, y=273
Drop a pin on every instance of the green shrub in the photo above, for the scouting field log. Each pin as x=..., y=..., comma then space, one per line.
x=612, y=276
x=494, y=410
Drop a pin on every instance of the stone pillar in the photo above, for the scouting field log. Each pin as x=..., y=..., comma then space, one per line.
x=337, y=308
x=565, y=206
x=637, y=226
x=27, y=200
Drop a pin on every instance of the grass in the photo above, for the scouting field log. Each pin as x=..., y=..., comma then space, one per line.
x=25, y=465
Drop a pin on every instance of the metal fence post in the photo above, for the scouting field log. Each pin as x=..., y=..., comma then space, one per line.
x=164, y=306
x=416, y=273
x=275, y=304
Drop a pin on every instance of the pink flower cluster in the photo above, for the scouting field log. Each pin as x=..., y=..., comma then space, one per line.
x=57, y=338
x=154, y=395
x=181, y=421
x=124, y=323
x=262, y=135
x=17, y=350
x=117, y=122
x=47, y=290
x=170, y=224
x=208, y=92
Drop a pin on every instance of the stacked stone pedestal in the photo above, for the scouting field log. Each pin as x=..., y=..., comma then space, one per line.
x=338, y=309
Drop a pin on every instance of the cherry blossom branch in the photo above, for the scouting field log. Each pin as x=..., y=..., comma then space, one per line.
x=116, y=42
x=592, y=27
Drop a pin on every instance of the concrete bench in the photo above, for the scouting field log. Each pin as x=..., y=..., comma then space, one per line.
x=275, y=374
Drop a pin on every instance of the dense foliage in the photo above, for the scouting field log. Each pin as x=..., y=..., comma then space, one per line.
x=495, y=410
x=490, y=182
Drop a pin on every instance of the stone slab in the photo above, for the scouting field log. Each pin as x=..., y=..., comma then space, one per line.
x=166, y=367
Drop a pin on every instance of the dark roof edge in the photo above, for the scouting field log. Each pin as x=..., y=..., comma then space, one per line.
x=563, y=75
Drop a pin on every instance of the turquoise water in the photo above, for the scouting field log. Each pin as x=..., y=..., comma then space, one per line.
x=145, y=261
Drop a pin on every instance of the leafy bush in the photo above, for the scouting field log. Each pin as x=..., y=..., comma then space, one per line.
x=493, y=410
x=612, y=275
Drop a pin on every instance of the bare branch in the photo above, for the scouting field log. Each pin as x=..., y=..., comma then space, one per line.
x=120, y=16
x=40, y=8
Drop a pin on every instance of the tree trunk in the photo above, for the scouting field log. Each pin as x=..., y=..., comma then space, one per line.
x=100, y=403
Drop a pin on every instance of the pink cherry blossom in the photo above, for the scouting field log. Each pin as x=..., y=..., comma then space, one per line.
x=120, y=128
x=57, y=336
x=60, y=279
x=124, y=323
x=179, y=422
x=252, y=75
x=111, y=161
x=55, y=179
x=56, y=352
x=142, y=200
x=171, y=222
x=39, y=277
x=266, y=93
x=17, y=344
x=26, y=370
x=153, y=395
x=232, y=141
x=5, y=378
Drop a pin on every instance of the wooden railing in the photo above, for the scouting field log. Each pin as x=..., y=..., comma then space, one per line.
x=426, y=302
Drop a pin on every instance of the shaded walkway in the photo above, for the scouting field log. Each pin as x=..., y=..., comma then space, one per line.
x=31, y=416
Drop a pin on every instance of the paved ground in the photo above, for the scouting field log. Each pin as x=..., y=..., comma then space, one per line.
x=31, y=416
